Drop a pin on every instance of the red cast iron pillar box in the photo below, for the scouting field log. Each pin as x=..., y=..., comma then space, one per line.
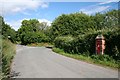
x=100, y=44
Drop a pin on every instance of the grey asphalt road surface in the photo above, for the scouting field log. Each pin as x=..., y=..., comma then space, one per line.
x=41, y=62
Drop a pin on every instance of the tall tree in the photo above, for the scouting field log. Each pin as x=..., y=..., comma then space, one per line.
x=72, y=24
x=7, y=31
x=32, y=31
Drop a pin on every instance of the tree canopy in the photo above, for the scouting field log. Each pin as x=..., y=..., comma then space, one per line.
x=7, y=31
x=32, y=31
x=80, y=23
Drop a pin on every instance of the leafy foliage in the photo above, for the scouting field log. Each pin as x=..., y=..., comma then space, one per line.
x=86, y=43
x=87, y=28
x=32, y=31
x=7, y=31
x=71, y=24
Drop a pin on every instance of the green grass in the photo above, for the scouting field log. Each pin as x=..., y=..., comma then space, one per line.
x=40, y=44
x=111, y=64
x=8, y=51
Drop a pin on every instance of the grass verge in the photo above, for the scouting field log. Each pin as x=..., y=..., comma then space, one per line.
x=111, y=64
x=40, y=44
x=7, y=53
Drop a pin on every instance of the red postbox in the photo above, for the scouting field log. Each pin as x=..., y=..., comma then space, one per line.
x=100, y=44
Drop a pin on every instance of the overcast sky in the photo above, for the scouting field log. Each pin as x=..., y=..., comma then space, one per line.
x=14, y=11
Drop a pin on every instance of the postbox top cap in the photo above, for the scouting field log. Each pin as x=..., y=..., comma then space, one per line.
x=100, y=37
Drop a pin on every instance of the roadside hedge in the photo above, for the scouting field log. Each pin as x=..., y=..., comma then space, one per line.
x=8, y=52
x=33, y=37
x=64, y=42
x=85, y=44
x=77, y=45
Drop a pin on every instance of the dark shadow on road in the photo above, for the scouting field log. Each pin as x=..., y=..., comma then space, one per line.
x=14, y=74
x=49, y=47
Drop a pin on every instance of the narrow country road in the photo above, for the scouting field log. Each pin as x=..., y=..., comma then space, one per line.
x=41, y=62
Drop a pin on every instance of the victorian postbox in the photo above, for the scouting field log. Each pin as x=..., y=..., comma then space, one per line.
x=100, y=44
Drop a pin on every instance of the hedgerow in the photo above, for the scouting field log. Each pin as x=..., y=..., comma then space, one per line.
x=86, y=43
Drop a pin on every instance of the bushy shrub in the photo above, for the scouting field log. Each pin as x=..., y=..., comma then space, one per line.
x=86, y=43
x=64, y=42
x=102, y=57
x=112, y=43
x=78, y=45
x=33, y=37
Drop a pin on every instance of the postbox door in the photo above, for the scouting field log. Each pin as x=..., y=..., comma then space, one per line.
x=98, y=46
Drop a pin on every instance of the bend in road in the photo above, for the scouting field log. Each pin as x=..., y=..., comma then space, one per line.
x=41, y=62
